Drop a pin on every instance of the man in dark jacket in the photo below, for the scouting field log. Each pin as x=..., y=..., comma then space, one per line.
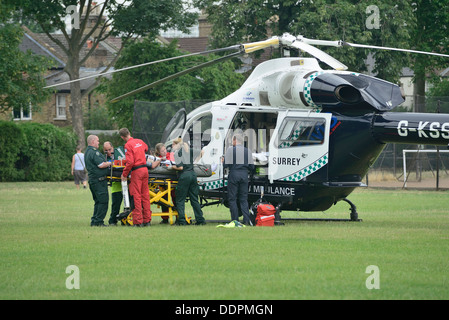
x=187, y=182
x=239, y=160
x=97, y=169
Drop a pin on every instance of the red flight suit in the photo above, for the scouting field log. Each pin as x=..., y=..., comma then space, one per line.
x=135, y=150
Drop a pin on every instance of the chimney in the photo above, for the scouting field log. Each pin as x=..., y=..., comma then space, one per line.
x=94, y=15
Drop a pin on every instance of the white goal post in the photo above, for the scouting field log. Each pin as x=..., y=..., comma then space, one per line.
x=404, y=160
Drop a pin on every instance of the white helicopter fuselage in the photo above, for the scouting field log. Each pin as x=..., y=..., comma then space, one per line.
x=272, y=108
x=313, y=133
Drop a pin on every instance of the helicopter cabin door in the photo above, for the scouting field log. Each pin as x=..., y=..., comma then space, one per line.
x=300, y=146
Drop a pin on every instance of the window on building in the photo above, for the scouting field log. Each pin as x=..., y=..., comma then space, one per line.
x=22, y=113
x=60, y=106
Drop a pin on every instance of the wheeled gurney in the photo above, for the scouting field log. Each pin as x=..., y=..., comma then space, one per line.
x=162, y=184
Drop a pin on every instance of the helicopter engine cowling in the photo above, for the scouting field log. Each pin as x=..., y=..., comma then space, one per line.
x=353, y=91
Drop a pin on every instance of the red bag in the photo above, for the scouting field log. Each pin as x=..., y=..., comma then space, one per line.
x=265, y=215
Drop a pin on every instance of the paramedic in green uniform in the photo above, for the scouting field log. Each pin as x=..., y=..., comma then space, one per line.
x=187, y=182
x=97, y=169
x=116, y=186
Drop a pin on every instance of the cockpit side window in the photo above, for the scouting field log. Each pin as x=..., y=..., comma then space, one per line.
x=295, y=132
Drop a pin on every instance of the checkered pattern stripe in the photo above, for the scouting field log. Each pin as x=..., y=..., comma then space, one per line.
x=292, y=139
x=307, y=87
x=216, y=184
x=297, y=176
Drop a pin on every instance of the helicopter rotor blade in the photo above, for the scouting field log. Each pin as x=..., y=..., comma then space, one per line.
x=393, y=49
x=341, y=43
x=248, y=48
x=298, y=43
x=235, y=47
x=254, y=46
x=176, y=75
x=244, y=48
x=320, y=55
x=315, y=42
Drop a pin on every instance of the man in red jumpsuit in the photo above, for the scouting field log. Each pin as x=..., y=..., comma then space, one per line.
x=135, y=150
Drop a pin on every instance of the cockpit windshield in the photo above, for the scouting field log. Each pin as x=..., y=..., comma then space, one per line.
x=174, y=127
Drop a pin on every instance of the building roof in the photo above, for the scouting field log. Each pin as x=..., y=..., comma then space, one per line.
x=192, y=45
x=40, y=43
x=61, y=76
x=29, y=43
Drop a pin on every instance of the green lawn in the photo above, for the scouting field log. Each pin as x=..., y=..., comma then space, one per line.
x=45, y=228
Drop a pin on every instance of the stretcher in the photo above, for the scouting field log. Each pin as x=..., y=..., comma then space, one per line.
x=161, y=187
x=162, y=184
x=161, y=193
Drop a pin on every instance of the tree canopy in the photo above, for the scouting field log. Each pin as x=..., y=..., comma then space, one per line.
x=112, y=18
x=430, y=34
x=348, y=20
x=210, y=83
x=22, y=75
x=421, y=25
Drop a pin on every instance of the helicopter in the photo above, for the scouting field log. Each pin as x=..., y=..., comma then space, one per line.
x=313, y=132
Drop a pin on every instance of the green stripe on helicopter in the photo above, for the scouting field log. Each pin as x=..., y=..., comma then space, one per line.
x=297, y=176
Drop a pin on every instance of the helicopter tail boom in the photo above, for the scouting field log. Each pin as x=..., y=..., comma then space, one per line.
x=413, y=128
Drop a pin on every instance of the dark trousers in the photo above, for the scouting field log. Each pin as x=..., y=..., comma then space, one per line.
x=188, y=186
x=100, y=195
x=117, y=198
x=238, y=194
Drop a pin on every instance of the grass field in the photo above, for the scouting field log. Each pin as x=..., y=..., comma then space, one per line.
x=45, y=228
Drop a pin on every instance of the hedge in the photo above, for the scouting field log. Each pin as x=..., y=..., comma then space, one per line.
x=35, y=152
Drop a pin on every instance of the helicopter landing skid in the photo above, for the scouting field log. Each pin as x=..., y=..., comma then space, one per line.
x=354, y=216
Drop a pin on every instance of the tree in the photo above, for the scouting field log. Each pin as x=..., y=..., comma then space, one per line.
x=21, y=74
x=211, y=83
x=115, y=18
x=440, y=89
x=379, y=23
x=430, y=34
x=236, y=21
